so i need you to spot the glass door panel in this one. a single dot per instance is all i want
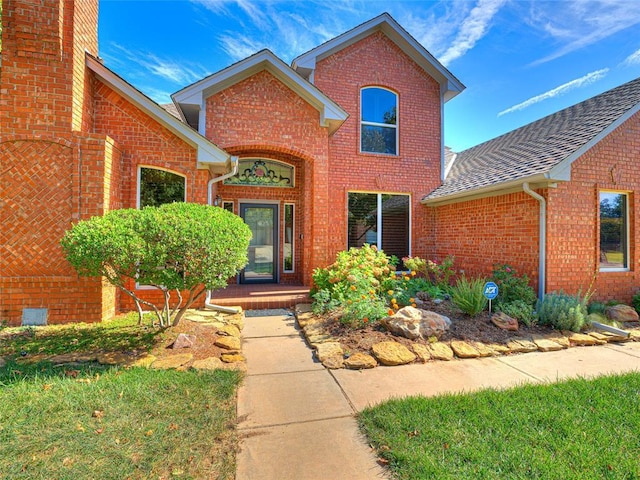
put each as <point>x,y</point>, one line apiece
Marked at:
<point>263,248</point>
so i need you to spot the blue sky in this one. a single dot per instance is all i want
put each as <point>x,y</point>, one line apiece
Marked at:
<point>520,60</point>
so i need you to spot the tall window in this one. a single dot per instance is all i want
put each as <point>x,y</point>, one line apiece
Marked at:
<point>614,232</point>
<point>378,122</point>
<point>380,219</point>
<point>289,235</point>
<point>160,186</point>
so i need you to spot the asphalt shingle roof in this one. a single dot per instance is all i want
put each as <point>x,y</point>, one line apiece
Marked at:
<point>539,146</point>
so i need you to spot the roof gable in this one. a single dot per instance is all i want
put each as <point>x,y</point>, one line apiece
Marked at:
<point>541,151</point>
<point>208,154</point>
<point>450,86</point>
<point>191,99</point>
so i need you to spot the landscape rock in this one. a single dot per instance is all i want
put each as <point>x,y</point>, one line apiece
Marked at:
<point>232,357</point>
<point>172,361</point>
<point>580,339</point>
<point>440,351</point>
<point>228,343</point>
<point>621,313</point>
<point>236,319</point>
<point>115,358</point>
<point>412,323</point>
<point>211,363</point>
<point>601,338</point>
<point>184,341</point>
<point>498,348</point>
<point>145,361</point>
<point>73,358</point>
<point>334,362</point>
<point>392,353</point>
<point>634,335</point>
<point>546,345</point>
<point>360,361</point>
<point>463,349</point>
<point>422,351</point>
<point>504,321</point>
<point>522,346</point>
<point>482,349</point>
<point>229,330</point>
<point>328,349</point>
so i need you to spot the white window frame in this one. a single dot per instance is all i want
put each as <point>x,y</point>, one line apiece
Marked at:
<point>139,176</point>
<point>293,236</point>
<point>383,125</point>
<point>627,233</point>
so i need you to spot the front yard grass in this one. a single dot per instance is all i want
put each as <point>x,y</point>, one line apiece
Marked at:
<point>574,429</point>
<point>87,421</point>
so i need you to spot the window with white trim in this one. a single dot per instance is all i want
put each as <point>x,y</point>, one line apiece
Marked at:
<point>378,121</point>
<point>157,187</point>
<point>614,231</point>
<point>380,219</point>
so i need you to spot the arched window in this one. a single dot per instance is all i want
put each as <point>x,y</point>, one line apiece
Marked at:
<point>157,186</point>
<point>378,121</point>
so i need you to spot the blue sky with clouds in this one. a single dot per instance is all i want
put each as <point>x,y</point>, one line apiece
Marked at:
<point>520,59</point>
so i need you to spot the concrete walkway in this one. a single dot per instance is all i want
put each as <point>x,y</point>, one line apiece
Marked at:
<point>296,419</point>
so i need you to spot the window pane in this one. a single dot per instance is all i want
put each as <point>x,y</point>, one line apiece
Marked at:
<point>378,139</point>
<point>362,219</point>
<point>288,237</point>
<point>395,225</point>
<point>158,187</point>
<point>613,230</point>
<point>378,106</point>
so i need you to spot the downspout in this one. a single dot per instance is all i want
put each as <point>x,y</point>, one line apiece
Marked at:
<point>542,263</point>
<point>234,170</point>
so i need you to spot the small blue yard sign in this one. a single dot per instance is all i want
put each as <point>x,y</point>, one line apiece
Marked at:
<point>490,290</point>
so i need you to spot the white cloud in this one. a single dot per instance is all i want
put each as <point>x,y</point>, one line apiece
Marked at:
<point>473,28</point>
<point>578,24</point>
<point>239,47</point>
<point>579,82</point>
<point>633,59</point>
<point>170,70</point>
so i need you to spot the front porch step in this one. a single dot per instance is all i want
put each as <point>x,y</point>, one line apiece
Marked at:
<point>261,296</point>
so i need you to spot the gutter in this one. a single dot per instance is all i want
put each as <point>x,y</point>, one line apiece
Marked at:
<point>234,170</point>
<point>542,262</point>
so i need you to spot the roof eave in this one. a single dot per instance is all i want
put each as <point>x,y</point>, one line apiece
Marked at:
<point>208,154</point>
<point>540,180</point>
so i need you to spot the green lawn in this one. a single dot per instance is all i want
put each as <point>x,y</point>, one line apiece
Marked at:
<point>577,429</point>
<point>88,421</point>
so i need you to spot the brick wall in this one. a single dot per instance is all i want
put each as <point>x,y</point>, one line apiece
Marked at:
<point>480,233</point>
<point>573,226</point>
<point>377,61</point>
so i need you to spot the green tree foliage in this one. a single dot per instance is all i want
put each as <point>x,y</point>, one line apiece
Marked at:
<point>177,246</point>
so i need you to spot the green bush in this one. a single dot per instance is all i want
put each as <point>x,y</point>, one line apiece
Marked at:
<point>177,246</point>
<point>439,274</point>
<point>563,311</point>
<point>468,296</point>
<point>512,287</point>
<point>636,302</point>
<point>596,307</point>
<point>519,310</point>
<point>356,284</point>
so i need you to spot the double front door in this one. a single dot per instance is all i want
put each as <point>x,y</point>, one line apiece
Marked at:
<point>262,219</point>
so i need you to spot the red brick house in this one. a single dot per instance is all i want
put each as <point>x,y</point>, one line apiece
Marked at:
<point>341,148</point>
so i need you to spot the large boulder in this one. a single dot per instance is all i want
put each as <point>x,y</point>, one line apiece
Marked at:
<point>621,313</point>
<point>504,321</point>
<point>412,323</point>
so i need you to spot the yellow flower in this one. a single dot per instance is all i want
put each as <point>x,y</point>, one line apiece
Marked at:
<point>390,292</point>
<point>393,300</point>
<point>413,273</point>
<point>413,305</point>
<point>353,287</point>
<point>412,300</point>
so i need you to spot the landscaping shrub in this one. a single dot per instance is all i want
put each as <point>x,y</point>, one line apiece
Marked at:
<point>177,246</point>
<point>596,307</point>
<point>439,274</point>
<point>563,311</point>
<point>468,296</point>
<point>520,310</point>
<point>636,302</point>
<point>355,283</point>
<point>511,286</point>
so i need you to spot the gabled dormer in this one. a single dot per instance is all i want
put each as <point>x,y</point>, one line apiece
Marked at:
<point>450,86</point>
<point>191,100</point>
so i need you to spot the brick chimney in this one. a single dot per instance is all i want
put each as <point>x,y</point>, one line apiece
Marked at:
<point>43,83</point>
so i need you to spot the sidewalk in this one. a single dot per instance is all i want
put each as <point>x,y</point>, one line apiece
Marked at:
<point>296,420</point>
